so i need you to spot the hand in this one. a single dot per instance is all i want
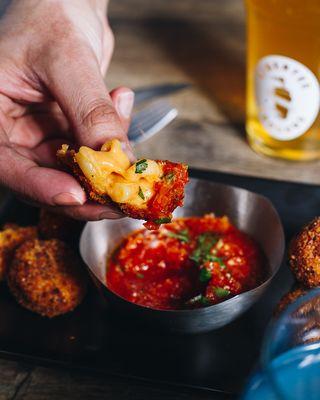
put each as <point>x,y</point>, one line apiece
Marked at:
<point>53,54</point>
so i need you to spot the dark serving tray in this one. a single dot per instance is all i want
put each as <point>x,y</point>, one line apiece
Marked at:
<point>92,338</point>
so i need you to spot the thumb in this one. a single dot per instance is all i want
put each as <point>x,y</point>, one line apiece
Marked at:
<point>80,91</point>
<point>123,99</point>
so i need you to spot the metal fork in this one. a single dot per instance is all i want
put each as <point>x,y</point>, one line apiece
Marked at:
<point>151,120</point>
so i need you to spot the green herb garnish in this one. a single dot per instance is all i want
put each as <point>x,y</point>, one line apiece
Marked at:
<point>199,299</point>
<point>205,242</point>
<point>164,220</point>
<point>140,193</point>
<point>205,275</point>
<point>221,292</point>
<point>139,275</point>
<point>216,259</point>
<point>169,176</point>
<point>141,166</point>
<point>205,301</point>
<point>183,235</point>
<point>196,256</point>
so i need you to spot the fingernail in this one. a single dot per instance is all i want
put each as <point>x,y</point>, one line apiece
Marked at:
<point>66,199</point>
<point>110,215</point>
<point>125,104</point>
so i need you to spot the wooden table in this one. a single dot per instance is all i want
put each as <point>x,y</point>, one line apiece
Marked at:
<point>158,41</point>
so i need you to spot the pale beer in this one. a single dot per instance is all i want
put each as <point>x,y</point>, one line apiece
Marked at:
<point>283,70</point>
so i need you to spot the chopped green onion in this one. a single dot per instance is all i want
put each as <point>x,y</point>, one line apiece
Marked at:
<point>169,176</point>
<point>183,235</point>
<point>199,299</point>
<point>216,259</point>
<point>195,256</point>
<point>164,220</point>
<point>141,166</point>
<point>205,275</point>
<point>139,275</point>
<point>140,193</point>
<point>202,252</point>
<point>205,301</point>
<point>221,292</point>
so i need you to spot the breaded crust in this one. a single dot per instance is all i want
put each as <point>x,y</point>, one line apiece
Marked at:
<point>169,191</point>
<point>304,254</point>
<point>11,237</point>
<point>68,160</point>
<point>46,277</point>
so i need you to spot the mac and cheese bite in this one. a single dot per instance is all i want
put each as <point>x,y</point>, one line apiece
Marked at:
<point>147,189</point>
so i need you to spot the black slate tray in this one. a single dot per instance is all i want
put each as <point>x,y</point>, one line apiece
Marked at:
<point>94,339</point>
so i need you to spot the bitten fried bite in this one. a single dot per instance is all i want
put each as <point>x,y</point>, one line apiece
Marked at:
<point>12,236</point>
<point>304,255</point>
<point>147,189</point>
<point>46,277</point>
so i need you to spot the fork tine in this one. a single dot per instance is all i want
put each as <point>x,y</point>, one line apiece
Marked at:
<point>151,120</point>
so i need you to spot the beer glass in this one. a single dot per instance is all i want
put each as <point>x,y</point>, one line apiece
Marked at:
<point>283,70</point>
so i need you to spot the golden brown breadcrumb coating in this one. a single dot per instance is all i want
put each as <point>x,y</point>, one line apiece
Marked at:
<point>12,236</point>
<point>47,277</point>
<point>304,254</point>
<point>57,226</point>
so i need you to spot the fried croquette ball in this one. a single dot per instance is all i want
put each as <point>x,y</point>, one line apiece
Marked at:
<point>11,237</point>
<point>304,255</point>
<point>58,226</point>
<point>296,292</point>
<point>46,277</point>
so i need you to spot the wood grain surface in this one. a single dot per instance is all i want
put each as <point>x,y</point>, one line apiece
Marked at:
<point>201,42</point>
<point>19,381</point>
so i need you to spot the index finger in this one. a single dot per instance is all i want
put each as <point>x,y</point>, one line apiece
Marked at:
<point>78,86</point>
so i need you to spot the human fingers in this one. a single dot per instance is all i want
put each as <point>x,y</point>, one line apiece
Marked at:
<point>123,100</point>
<point>90,212</point>
<point>42,185</point>
<point>79,89</point>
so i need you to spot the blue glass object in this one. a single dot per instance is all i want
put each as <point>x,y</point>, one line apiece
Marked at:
<point>290,359</point>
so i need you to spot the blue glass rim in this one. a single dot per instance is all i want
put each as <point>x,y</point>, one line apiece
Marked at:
<point>278,324</point>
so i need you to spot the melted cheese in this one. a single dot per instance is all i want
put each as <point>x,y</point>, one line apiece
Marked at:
<point>109,172</point>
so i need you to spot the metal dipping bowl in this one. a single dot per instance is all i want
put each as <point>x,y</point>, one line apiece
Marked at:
<point>250,212</point>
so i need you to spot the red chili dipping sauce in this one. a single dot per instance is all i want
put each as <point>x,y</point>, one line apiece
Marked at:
<point>191,262</point>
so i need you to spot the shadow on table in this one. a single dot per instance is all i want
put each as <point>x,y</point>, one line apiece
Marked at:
<point>212,56</point>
